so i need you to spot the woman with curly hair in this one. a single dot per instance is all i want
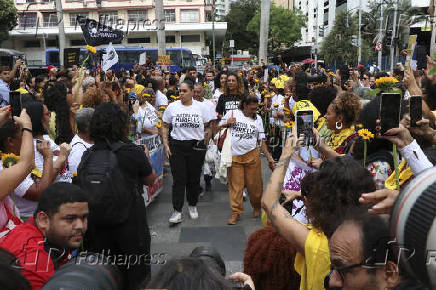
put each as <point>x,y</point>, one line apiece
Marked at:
<point>234,92</point>
<point>269,260</point>
<point>94,97</point>
<point>109,131</point>
<point>62,117</point>
<point>341,115</point>
<point>328,194</point>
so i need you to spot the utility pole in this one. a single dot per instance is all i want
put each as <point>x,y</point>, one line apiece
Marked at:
<point>359,44</point>
<point>431,10</point>
<point>394,32</point>
<point>161,27</point>
<point>316,36</point>
<point>380,38</point>
<point>60,17</point>
<point>264,28</point>
<point>213,32</point>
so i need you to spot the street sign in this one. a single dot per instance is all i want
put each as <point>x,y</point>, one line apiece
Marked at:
<point>232,43</point>
<point>163,60</point>
<point>378,46</point>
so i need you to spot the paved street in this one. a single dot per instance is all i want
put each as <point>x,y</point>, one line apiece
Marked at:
<point>210,229</point>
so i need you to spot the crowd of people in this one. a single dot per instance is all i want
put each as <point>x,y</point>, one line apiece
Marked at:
<point>73,173</point>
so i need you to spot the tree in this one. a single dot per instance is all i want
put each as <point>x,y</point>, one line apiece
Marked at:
<point>337,46</point>
<point>237,19</point>
<point>284,26</point>
<point>8,18</point>
<point>407,16</point>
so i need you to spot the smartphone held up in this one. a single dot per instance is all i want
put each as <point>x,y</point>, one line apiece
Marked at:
<point>415,110</point>
<point>389,113</point>
<point>304,123</point>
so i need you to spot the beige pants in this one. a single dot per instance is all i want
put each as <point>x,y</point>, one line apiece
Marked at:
<point>246,171</point>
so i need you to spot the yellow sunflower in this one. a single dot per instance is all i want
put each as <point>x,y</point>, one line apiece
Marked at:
<point>289,124</point>
<point>365,134</point>
<point>91,49</point>
<point>384,80</point>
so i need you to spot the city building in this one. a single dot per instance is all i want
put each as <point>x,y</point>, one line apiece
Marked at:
<point>321,16</point>
<point>187,24</point>
<point>287,4</point>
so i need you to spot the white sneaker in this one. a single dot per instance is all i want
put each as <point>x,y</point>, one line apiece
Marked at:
<point>176,217</point>
<point>193,213</point>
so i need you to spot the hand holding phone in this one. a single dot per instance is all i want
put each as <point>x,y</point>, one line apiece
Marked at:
<point>415,110</point>
<point>304,123</point>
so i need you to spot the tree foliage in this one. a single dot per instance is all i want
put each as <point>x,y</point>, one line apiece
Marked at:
<point>8,18</point>
<point>337,46</point>
<point>407,16</point>
<point>240,14</point>
<point>284,26</point>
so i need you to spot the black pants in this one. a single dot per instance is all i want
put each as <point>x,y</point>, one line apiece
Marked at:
<point>186,164</point>
<point>131,240</point>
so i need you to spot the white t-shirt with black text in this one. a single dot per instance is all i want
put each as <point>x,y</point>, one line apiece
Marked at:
<point>187,121</point>
<point>245,132</point>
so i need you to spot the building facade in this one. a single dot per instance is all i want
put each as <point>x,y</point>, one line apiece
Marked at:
<point>321,17</point>
<point>187,24</point>
<point>287,4</point>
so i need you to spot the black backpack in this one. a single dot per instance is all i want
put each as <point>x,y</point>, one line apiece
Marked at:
<point>110,195</point>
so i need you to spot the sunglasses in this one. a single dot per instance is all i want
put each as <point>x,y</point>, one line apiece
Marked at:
<point>342,271</point>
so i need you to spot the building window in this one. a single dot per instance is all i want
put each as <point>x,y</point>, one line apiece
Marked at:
<point>170,39</point>
<point>28,19</point>
<point>32,43</point>
<point>189,15</point>
<point>191,38</point>
<point>77,42</point>
<point>139,40</point>
<point>73,18</point>
<point>170,15</point>
<point>52,42</point>
<point>108,18</point>
<point>49,19</point>
<point>137,16</point>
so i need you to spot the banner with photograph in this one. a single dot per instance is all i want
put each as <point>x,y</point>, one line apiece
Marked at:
<point>157,157</point>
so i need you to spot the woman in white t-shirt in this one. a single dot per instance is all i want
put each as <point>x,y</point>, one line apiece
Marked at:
<point>246,171</point>
<point>185,148</point>
<point>220,85</point>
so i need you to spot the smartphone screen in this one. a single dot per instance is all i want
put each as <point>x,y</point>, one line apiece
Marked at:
<point>389,112</point>
<point>304,122</point>
<point>415,110</point>
<point>15,100</point>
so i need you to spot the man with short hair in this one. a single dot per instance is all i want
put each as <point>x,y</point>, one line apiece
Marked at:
<point>44,242</point>
<point>210,79</point>
<point>363,255</point>
<point>4,86</point>
<point>81,141</point>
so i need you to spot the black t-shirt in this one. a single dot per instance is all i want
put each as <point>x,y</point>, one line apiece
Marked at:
<point>171,93</point>
<point>132,161</point>
<point>227,103</point>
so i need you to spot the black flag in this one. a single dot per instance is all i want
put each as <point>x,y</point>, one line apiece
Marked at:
<point>96,33</point>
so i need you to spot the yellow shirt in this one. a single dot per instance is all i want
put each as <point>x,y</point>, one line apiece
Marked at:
<point>315,265</point>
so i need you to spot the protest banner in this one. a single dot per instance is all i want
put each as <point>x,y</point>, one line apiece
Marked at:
<point>157,157</point>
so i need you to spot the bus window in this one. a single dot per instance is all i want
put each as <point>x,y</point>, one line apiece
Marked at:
<point>174,57</point>
<point>187,59</point>
<point>53,58</point>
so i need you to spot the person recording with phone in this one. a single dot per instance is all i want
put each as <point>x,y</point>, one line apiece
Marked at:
<point>340,117</point>
<point>6,76</point>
